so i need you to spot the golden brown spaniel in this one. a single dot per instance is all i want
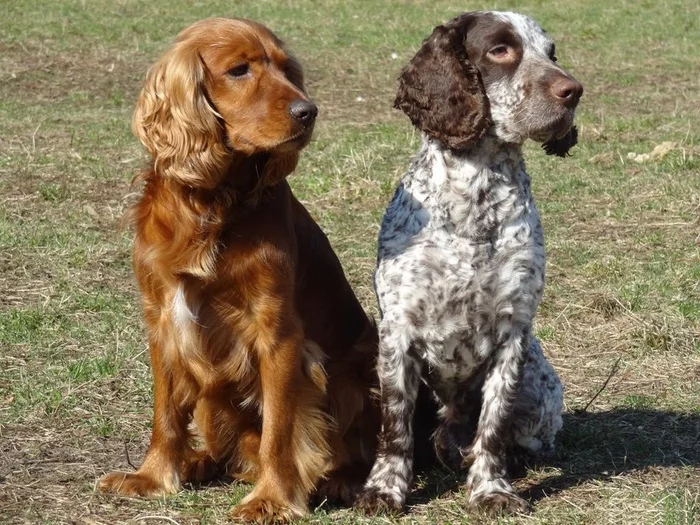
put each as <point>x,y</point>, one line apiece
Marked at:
<point>255,335</point>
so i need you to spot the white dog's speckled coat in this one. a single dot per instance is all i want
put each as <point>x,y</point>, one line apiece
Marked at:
<point>461,267</point>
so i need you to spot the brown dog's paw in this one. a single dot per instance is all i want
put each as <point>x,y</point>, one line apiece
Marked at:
<point>135,484</point>
<point>373,502</point>
<point>495,503</point>
<point>338,490</point>
<point>343,485</point>
<point>265,511</point>
<point>202,468</point>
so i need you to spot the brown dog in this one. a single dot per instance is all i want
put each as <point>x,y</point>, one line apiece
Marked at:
<point>254,331</point>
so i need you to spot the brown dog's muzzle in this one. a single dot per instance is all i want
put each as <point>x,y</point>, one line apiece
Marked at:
<point>304,112</point>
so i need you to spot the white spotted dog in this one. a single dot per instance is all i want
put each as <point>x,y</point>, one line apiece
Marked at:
<point>461,259</point>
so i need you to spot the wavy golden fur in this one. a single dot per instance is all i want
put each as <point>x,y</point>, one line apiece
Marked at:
<point>254,333</point>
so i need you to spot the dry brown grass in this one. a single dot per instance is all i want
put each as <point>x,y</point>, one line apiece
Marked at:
<point>623,244</point>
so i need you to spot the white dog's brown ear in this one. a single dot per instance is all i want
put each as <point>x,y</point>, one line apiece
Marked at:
<point>176,123</point>
<point>442,92</point>
<point>560,147</point>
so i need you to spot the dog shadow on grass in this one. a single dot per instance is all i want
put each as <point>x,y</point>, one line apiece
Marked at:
<point>600,445</point>
<point>591,446</point>
<point>596,446</point>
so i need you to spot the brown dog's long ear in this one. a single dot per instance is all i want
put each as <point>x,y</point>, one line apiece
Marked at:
<point>442,92</point>
<point>176,123</point>
<point>560,147</point>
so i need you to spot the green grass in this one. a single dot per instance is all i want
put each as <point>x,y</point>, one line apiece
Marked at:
<point>623,245</point>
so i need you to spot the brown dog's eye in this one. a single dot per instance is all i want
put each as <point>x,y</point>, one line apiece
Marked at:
<point>552,54</point>
<point>499,51</point>
<point>238,71</point>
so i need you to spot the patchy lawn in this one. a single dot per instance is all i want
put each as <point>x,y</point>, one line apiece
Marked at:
<point>623,244</point>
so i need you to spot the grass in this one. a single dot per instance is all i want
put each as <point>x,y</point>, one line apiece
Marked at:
<point>623,245</point>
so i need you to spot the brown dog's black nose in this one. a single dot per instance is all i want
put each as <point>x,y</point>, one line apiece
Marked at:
<point>304,111</point>
<point>567,91</point>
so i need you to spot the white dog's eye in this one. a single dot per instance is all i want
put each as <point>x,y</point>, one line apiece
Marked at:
<point>500,51</point>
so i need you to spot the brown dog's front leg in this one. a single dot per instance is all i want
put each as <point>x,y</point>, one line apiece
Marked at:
<point>293,449</point>
<point>162,467</point>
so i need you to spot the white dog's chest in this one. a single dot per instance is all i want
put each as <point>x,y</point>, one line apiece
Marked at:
<point>453,294</point>
<point>461,260</point>
<point>460,301</point>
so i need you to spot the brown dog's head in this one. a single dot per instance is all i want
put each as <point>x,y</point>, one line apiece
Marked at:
<point>490,71</point>
<point>226,87</point>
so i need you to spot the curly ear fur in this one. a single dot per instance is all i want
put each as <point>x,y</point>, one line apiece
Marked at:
<point>176,123</point>
<point>442,92</point>
<point>560,147</point>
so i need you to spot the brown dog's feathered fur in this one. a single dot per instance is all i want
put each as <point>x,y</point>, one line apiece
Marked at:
<point>254,332</point>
